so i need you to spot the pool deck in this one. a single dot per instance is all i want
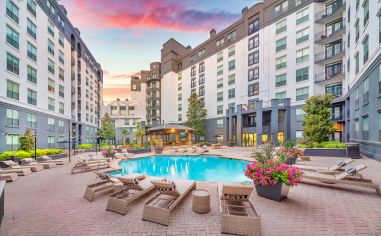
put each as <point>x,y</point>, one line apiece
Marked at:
<point>51,202</point>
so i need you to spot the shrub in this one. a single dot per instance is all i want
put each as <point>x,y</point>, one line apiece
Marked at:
<point>27,141</point>
<point>330,144</point>
<point>21,154</point>
<point>6,155</point>
<point>85,146</point>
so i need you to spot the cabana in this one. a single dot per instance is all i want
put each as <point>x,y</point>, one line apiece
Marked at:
<point>167,133</point>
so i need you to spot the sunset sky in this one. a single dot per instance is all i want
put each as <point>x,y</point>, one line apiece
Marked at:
<point>126,35</point>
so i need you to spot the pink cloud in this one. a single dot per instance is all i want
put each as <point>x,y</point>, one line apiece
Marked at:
<point>132,14</point>
<point>117,85</point>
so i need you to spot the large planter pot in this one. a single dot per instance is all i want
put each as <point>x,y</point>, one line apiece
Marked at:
<point>158,150</point>
<point>291,160</point>
<point>276,192</point>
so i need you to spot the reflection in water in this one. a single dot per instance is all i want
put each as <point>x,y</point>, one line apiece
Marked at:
<point>202,168</point>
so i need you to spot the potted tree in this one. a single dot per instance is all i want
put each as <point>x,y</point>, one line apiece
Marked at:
<point>109,152</point>
<point>271,175</point>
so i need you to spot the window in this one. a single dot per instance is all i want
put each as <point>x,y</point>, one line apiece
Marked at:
<point>193,58</point>
<point>365,45</point>
<point>254,42</point>
<point>231,65</point>
<point>61,107</point>
<point>366,91</point>
<point>365,128</point>
<point>379,126</point>
<point>12,11</point>
<point>220,123</point>
<point>61,40</point>
<point>232,36</point>
<point>201,91</point>
<point>301,94</point>
<point>61,73</point>
<point>357,98</point>
<point>201,79</point>
<point>50,47</point>
<point>281,96</point>
<point>12,64</point>
<point>231,51</point>
<point>220,70</point>
<point>281,26</point>
<point>50,66</point>
<point>201,67</point>
<point>379,79</point>
<point>366,11</point>
<point>193,82</point>
<point>13,118</point>
<point>220,96</point>
<point>32,74</point>
<point>202,101</point>
<point>302,16</point>
<point>357,128</point>
<point>61,125</point>
<point>51,104</point>
<point>220,43</point>
<point>31,29</point>
<point>193,71</point>
<point>12,90</point>
<point>220,109</point>
<point>253,73</point>
<point>61,22</point>
<point>253,89</point>
<point>179,118</point>
<point>357,61</point>
<point>333,70</point>
<point>280,62</point>
<point>51,8</point>
<point>179,97</point>
<point>357,30</point>
<point>201,52</point>
<point>253,58</point>
<point>32,97</point>
<point>32,51</point>
<point>300,114</point>
<point>281,8</point>
<point>231,93</point>
<point>50,141</point>
<point>220,83</point>
<point>31,120</point>
<point>61,91</point>
<point>231,79</point>
<point>61,57</point>
<point>11,142</point>
<point>51,28</point>
<point>298,2</point>
<point>220,56</point>
<point>179,87</point>
<point>280,80</point>
<point>51,85</point>
<point>335,89</point>
<point>302,55</point>
<point>12,37</point>
<point>281,44</point>
<point>302,35</point>
<point>231,106</point>
<point>31,6</point>
<point>253,26</point>
<point>302,74</point>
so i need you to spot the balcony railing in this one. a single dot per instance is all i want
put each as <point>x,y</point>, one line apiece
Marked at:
<point>322,56</point>
<point>340,5</point>
<point>324,76</point>
<point>323,36</point>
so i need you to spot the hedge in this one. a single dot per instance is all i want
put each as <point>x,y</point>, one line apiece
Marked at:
<point>20,154</point>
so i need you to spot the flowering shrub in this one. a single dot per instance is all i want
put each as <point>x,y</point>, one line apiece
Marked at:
<point>109,152</point>
<point>292,152</point>
<point>272,172</point>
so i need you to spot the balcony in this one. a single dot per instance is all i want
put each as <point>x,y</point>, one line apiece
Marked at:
<point>330,56</point>
<point>324,76</point>
<point>322,37</point>
<point>328,14</point>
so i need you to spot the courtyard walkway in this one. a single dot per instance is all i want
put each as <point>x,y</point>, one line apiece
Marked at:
<point>51,202</point>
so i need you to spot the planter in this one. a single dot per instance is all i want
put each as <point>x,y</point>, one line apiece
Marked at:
<point>158,150</point>
<point>276,192</point>
<point>325,152</point>
<point>139,151</point>
<point>58,156</point>
<point>291,160</point>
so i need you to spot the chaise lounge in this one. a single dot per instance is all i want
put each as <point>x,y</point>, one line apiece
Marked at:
<point>20,172</point>
<point>171,193</point>
<point>48,159</point>
<point>10,177</point>
<point>33,162</point>
<point>14,165</point>
<point>339,166</point>
<point>84,165</point>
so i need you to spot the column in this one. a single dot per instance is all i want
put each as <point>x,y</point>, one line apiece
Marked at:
<point>239,125</point>
<point>274,121</point>
<point>258,121</point>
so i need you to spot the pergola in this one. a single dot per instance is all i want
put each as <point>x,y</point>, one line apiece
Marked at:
<point>163,134</point>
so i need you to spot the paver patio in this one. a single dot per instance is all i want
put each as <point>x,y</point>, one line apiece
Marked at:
<point>51,202</point>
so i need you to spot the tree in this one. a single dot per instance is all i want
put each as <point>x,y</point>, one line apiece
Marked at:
<point>125,133</point>
<point>139,133</point>
<point>196,115</point>
<point>317,120</point>
<point>27,141</point>
<point>107,130</point>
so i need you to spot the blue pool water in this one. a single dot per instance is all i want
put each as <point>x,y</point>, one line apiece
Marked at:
<point>200,168</point>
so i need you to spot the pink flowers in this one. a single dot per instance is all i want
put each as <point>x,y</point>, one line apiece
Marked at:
<point>292,152</point>
<point>272,172</point>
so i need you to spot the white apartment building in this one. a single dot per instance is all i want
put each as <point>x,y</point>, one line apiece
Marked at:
<point>47,71</point>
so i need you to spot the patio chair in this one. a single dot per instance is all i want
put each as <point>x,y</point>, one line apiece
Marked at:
<point>184,150</point>
<point>33,162</point>
<point>175,150</point>
<point>84,165</point>
<point>339,166</point>
<point>48,159</point>
<point>134,189</point>
<point>14,165</point>
<point>350,176</point>
<point>20,172</point>
<point>10,177</point>
<point>204,149</point>
<point>94,158</point>
<point>194,149</point>
<point>159,207</point>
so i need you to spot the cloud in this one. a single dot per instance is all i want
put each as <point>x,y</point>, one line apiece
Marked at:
<point>146,14</point>
<point>117,85</point>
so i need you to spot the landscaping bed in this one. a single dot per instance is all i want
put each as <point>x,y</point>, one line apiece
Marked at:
<point>325,152</point>
<point>139,150</point>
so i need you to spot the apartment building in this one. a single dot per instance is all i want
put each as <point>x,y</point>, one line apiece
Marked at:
<point>255,75</point>
<point>52,83</point>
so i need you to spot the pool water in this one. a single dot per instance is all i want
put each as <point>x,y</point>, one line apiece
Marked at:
<point>200,168</point>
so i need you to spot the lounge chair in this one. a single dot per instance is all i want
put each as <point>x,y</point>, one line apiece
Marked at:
<point>123,154</point>
<point>13,165</point>
<point>119,201</point>
<point>350,176</point>
<point>48,159</point>
<point>203,149</point>
<point>175,150</point>
<point>84,165</point>
<point>10,177</point>
<point>20,172</point>
<point>93,158</point>
<point>339,166</point>
<point>159,207</point>
<point>184,150</point>
<point>238,215</point>
<point>33,162</point>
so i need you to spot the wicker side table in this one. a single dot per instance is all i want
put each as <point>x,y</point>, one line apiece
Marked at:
<point>201,201</point>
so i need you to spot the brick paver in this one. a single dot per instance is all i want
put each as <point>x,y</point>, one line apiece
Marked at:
<point>51,202</point>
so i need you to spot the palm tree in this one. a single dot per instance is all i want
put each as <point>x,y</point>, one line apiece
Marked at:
<point>125,133</point>
<point>139,133</point>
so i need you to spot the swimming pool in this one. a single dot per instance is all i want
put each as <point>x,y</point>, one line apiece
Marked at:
<point>200,168</point>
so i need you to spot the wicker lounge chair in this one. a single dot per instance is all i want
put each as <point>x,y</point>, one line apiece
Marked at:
<point>33,162</point>
<point>48,159</point>
<point>20,172</point>
<point>92,159</point>
<point>13,165</point>
<point>334,169</point>
<point>238,215</point>
<point>10,177</point>
<point>350,176</point>
<point>119,201</point>
<point>83,166</point>
<point>159,208</point>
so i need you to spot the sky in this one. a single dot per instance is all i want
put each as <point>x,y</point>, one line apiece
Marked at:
<point>125,36</point>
